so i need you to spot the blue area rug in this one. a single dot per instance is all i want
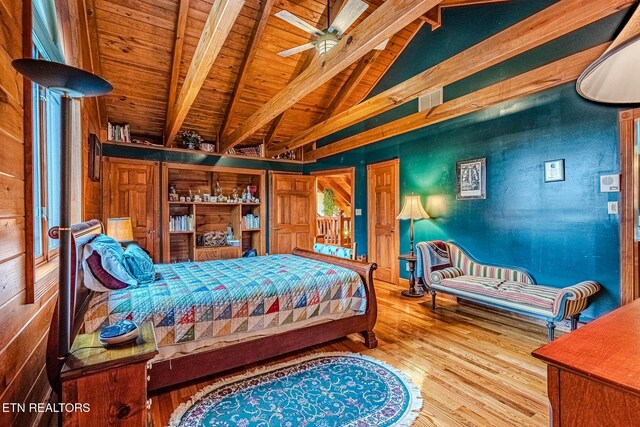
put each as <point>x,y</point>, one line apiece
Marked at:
<point>327,389</point>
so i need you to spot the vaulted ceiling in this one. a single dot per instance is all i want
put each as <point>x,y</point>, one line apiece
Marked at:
<point>138,39</point>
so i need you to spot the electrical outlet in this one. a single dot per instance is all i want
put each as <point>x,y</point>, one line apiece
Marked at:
<point>358,212</point>
<point>612,208</point>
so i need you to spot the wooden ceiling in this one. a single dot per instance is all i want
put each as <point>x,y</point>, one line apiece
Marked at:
<point>137,40</point>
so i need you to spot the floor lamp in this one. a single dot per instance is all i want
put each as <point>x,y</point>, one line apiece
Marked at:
<point>412,210</point>
<point>71,83</point>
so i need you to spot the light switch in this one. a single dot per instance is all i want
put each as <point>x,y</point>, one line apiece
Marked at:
<point>612,208</point>
<point>358,212</point>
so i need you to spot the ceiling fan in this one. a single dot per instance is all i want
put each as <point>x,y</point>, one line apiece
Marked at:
<point>329,37</point>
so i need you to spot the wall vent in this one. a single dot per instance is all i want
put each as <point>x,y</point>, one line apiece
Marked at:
<point>430,100</point>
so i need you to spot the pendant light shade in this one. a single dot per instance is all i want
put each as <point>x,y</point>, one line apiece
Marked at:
<point>614,78</point>
<point>73,82</point>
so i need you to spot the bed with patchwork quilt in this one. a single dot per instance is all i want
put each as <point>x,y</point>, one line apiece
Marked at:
<point>199,305</point>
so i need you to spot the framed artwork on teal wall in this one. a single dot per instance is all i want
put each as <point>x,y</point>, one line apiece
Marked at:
<point>554,170</point>
<point>471,179</point>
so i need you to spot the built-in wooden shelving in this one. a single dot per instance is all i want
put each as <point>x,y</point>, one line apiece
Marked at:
<point>211,216</point>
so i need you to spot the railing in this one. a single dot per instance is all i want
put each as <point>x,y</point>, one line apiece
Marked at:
<point>334,230</point>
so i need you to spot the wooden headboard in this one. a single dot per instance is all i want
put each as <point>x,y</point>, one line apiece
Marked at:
<point>81,234</point>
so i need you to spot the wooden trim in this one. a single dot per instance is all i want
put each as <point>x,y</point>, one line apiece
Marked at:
<point>221,18</point>
<point>545,77</point>
<point>27,94</point>
<point>551,23</point>
<point>89,14</point>
<point>629,205</point>
<point>386,20</point>
<point>200,153</point>
<point>174,77</point>
<point>395,266</point>
<point>243,75</point>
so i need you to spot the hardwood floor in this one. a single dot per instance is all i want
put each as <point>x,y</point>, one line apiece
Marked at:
<point>472,364</point>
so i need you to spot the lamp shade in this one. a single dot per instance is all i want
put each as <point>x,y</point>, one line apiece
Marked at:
<point>412,208</point>
<point>73,82</point>
<point>614,77</point>
<point>120,229</point>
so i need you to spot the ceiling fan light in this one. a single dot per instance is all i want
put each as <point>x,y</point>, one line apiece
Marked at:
<point>326,42</point>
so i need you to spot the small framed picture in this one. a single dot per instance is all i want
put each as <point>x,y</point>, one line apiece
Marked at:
<point>554,170</point>
<point>95,157</point>
<point>471,179</point>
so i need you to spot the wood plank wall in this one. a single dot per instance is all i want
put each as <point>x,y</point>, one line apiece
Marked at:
<point>25,325</point>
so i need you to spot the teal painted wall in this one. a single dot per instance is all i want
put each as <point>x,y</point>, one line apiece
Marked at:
<point>561,231</point>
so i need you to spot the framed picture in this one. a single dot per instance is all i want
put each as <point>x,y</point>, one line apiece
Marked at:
<point>95,157</point>
<point>554,170</point>
<point>471,179</point>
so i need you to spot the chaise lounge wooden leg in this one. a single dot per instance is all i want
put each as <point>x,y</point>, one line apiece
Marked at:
<point>433,299</point>
<point>574,321</point>
<point>370,340</point>
<point>551,328</point>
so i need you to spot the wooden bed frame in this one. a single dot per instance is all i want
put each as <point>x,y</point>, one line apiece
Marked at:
<point>207,362</point>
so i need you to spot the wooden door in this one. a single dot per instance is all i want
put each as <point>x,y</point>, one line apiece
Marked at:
<point>382,208</point>
<point>131,190</point>
<point>292,212</point>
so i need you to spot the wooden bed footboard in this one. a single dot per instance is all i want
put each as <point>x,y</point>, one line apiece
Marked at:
<point>169,372</point>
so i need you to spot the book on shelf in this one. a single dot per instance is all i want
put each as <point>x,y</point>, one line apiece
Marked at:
<point>250,221</point>
<point>181,223</point>
<point>119,132</point>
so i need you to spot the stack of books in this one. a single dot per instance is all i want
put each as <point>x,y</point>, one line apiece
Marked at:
<point>250,221</point>
<point>181,223</point>
<point>119,132</point>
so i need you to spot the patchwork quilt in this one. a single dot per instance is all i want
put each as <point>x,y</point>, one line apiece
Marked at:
<point>200,300</point>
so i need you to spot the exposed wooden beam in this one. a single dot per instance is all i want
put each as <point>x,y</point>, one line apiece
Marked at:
<point>385,21</point>
<point>545,77</point>
<point>354,79</point>
<point>555,21</point>
<point>459,3</point>
<point>243,75</point>
<point>181,27</point>
<point>221,18</point>
<point>303,64</point>
<point>433,18</point>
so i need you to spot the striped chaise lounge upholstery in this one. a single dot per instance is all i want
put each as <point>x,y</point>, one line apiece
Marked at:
<point>445,267</point>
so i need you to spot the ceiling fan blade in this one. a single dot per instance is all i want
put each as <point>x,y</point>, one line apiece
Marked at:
<point>382,46</point>
<point>298,22</point>
<point>297,49</point>
<point>348,15</point>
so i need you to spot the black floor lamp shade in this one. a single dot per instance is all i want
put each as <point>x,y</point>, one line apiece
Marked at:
<point>73,82</point>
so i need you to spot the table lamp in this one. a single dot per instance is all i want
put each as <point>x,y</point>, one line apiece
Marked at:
<point>120,229</point>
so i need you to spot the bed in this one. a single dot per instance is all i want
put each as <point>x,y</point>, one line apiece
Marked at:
<point>217,315</point>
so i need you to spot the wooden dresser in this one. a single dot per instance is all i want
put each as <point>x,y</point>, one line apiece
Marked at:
<point>594,372</point>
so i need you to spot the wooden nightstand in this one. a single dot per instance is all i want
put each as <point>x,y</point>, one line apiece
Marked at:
<point>113,382</point>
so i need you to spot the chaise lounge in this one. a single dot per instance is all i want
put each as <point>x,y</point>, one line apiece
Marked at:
<point>447,268</point>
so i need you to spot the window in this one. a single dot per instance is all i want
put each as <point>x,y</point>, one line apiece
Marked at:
<point>46,143</point>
